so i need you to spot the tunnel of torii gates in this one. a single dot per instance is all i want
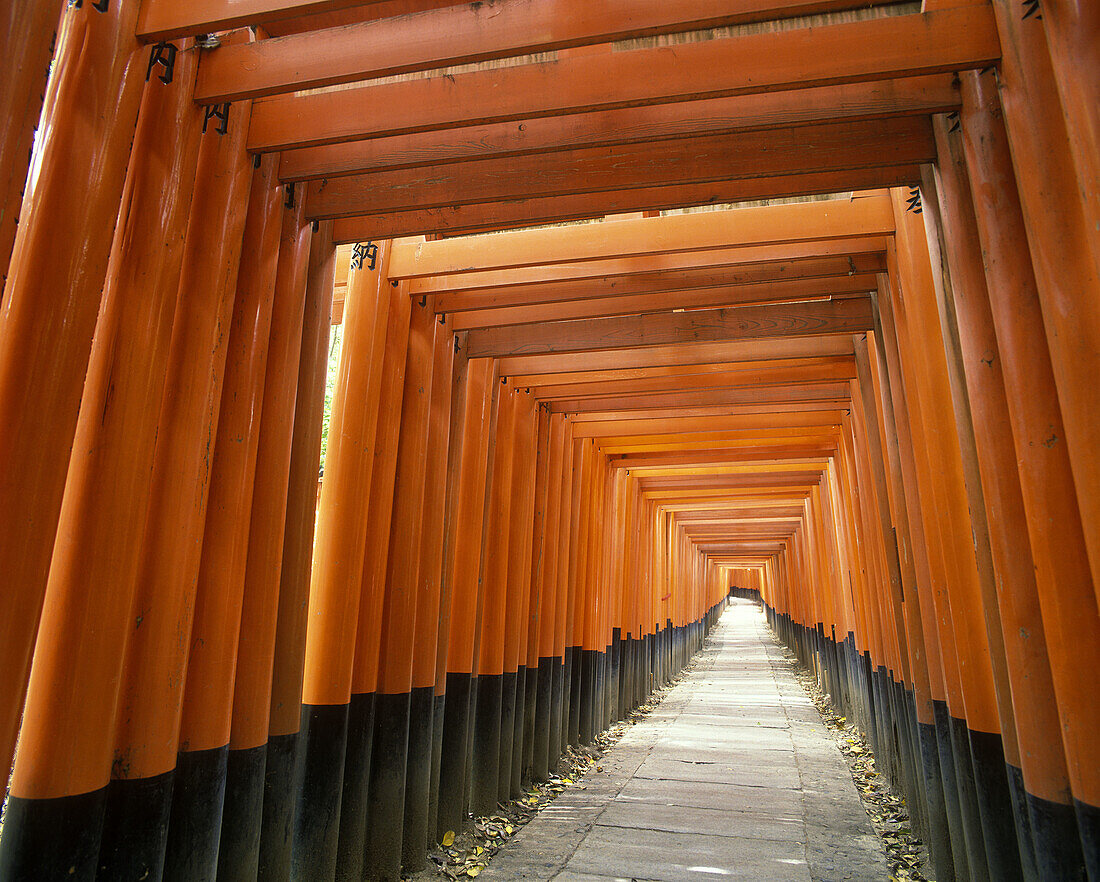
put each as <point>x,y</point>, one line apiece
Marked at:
<point>554,448</point>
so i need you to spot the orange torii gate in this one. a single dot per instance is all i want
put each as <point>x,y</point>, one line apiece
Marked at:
<point>552,452</point>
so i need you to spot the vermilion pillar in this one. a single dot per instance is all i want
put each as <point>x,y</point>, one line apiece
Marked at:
<point>49,307</point>
<point>354,811</point>
<point>151,693</point>
<point>1066,592</point>
<point>338,550</point>
<point>27,35</point>
<point>426,705</point>
<point>281,785</point>
<point>462,568</point>
<point>198,793</point>
<point>485,768</point>
<point>66,744</point>
<point>239,850</point>
<point>399,634</point>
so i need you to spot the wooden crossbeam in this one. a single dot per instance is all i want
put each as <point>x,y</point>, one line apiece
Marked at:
<point>586,418</point>
<point>726,482</point>
<point>790,272</point>
<point>171,19</point>
<point>869,215</point>
<point>816,419</point>
<point>881,48</point>
<point>746,467</point>
<point>791,451</point>
<point>780,320</point>
<point>739,113</point>
<point>774,153</point>
<point>691,441</point>
<point>858,254</point>
<point>663,301</point>
<point>760,349</point>
<point>706,397</point>
<point>659,379</point>
<point>493,216</point>
<point>465,34</point>
<point>338,18</point>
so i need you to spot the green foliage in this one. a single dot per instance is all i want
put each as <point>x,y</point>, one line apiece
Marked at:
<point>335,344</point>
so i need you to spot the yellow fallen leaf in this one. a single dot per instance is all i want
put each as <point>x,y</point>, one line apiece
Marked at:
<point>473,871</point>
<point>448,838</point>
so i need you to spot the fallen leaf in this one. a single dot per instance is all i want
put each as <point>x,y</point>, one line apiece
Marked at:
<point>448,838</point>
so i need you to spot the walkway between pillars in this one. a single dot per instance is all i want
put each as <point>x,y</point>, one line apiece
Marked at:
<point>733,776</point>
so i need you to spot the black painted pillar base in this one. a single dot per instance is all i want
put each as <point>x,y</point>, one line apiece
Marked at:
<point>324,733</point>
<point>558,715</point>
<point>530,709</point>
<point>1088,825</point>
<point>386,793</point>
<point>195,825</point>
<point>951,801</point>
<point>515,767</point>
<point>135,828</point>
<point>239,849</point>
<point>999,824</point>
<point>52,838</point>
<point>485,754</point>
<point>418,779</point>
<point>574,664</point>
<point>455,750</point>
<point>282,784</point>
<point>506,735</point>
<point>543,731</point>
<point>439,708</point>
<point>352,842</point>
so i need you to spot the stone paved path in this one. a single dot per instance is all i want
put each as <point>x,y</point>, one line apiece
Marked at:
<point>733,776</point>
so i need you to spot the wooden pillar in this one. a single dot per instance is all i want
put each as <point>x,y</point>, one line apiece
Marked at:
<point>338,549</point>
<point>362,723</point>
<point>1072,29</point>
<point>460,370</point>
<point>923,640</point>
<point>50,302</point>
<point>937,626</point>
<point>518,597</point>
<point>239,848</point>
<point>399,634</point>
<point>426,705</point>
<point>194,827</point>
<point>485,771</point>
<point>281,784</point>
<point>462,571</point>
<point>66,746</point>
<point>1036,722</point>
<point>1063,238</point>
<point>1066,593</point>
<point>560,681</point>
<point>546,565</point>
<point>28,32</point>
<point>151,692</point>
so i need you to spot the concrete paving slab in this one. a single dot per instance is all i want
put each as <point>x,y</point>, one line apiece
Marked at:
<point>732,776</point>
<point>687,857</point>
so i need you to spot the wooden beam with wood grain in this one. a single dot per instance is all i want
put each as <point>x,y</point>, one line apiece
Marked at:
<point>850,102</point>
<point>963,38</point>
<point>691,162</point>
<point>513,214</point>
<point>627,332</point>
<point>795,290</point>
<point>858,217</point>
<point>465,34</point>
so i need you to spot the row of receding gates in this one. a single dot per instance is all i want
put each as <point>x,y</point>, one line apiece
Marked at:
<point>552,452</point>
